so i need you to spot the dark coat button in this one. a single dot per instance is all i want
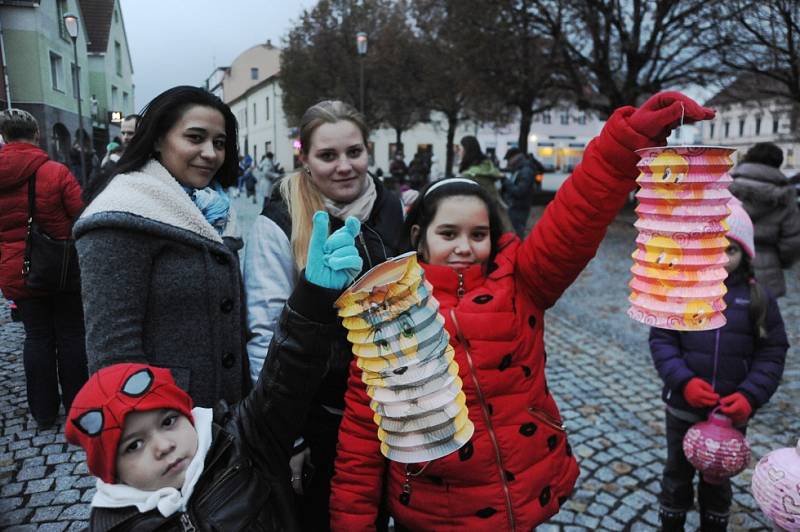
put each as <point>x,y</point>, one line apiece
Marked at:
<point>228,360</point>
<point>528,429</point>
<point>221,258</point>
<point>505,363</point>
<point>544,496</point>
<point>226,305</point>
<point>465,453</point>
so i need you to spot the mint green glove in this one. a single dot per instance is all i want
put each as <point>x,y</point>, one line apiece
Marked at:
<point>333,261</point>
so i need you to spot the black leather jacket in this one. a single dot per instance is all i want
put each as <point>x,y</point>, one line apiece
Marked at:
<point>376,243</point>
<point>245,484</point>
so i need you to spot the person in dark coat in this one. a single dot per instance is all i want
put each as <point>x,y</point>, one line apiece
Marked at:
<point>164,465</point>
<point>333,178</point>
<point>771,201</point>
<point>54,352</point>
<point>158,247</point>
<point>519,189</point>
<point>737,368</point>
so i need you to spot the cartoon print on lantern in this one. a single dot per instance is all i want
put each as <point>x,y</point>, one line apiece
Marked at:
<point>402,349</point>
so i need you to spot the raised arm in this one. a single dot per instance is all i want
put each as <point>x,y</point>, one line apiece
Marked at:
<point>567,236</point>
<point>272,415</point>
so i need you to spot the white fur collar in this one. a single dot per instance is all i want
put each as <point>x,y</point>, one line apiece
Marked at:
<point>153,193</point>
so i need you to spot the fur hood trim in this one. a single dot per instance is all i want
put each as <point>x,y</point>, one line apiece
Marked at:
<point>154,194</point>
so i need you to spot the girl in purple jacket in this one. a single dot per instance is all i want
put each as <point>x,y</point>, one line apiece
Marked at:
<point>737,368</point>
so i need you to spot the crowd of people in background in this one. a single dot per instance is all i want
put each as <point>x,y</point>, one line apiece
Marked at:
<point>206,368</point>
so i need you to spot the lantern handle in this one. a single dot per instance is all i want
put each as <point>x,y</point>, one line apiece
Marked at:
<point>683,112</point>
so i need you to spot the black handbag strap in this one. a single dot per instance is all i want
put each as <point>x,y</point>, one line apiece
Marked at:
<point>31,197</point>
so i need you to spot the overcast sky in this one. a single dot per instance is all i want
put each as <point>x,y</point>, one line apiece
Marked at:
<point>176,42</point>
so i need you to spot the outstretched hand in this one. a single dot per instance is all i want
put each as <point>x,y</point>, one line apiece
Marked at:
<point>662,112</point>
<point>333,261</point>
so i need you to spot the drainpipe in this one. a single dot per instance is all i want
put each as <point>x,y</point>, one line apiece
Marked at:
<point>5,67</point>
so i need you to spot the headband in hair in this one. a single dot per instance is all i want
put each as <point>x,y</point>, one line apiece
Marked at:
<point>443,182</point>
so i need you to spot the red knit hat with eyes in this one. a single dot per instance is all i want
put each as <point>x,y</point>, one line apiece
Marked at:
<point>97,417</point>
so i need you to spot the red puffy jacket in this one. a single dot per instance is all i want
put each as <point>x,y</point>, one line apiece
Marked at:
<point>518,468</point>
<point>58,204</point>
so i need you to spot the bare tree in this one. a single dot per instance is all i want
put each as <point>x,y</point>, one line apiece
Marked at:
<point>619,52</point>
<point>759,44</point>
<point>448,84</point>
<point>508,54</point>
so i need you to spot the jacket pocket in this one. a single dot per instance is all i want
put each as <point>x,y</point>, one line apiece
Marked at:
<point>542,416</point>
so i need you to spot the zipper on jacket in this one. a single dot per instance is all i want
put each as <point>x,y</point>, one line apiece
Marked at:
<point>547,419</point>
<point>364,245</point>
<point>460,290</point>
<point>186,523</point>
<point>485,411</point>
<point>230,472</point>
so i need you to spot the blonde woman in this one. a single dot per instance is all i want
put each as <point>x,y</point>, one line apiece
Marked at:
<point>333,177</point>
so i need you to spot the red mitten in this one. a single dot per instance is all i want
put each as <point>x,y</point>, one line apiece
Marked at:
<point>737,407</point>
<point>660,114</point>
<point>699,394</point>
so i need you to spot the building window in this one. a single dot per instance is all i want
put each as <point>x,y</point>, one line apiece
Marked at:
<point>118,57</point>
<point>711,131</point>
<point>774,126</point>
<point>564,118</point>
<point>727,126</point>
<point>741,127</point>
<point>75,79</point>
<point>267,108</point>
<point>267,147</point>
<point>255,117</point>
<point>254,73</point>
<point>758,125</point>
<point>57,71</point>
<point>114,98</point>
<point>582,119</point>
<point>61,6</point>
<point>116,16</point>
<point>546,117</point>
<point>125,109</point>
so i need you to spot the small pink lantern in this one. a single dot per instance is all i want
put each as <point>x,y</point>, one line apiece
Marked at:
<point>716,449</point>
<point>776,487</point>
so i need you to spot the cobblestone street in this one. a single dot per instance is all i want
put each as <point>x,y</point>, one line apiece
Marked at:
<point>598,367</point>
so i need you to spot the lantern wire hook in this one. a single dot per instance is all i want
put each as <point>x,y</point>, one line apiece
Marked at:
<point>683,112</point>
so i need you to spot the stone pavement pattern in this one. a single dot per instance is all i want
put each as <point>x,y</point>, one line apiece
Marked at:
<point>598,367</point>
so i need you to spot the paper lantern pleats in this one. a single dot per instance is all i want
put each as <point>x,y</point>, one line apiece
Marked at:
<point>679,262</point>
<point>776,487</point>
<point>407,363</point>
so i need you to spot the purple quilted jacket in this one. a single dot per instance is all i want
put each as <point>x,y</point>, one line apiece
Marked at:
<point>733,359</point>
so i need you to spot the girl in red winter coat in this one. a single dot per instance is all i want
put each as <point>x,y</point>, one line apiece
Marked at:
<point>493,289</point>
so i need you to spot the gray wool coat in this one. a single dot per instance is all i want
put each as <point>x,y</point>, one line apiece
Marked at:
<point>161,286</point>
<point>771,202</point>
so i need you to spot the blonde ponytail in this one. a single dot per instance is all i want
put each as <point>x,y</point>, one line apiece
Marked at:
<point>302,200</point>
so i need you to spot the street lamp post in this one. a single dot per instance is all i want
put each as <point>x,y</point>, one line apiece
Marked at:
<point>361,47</point>
<point>71,23</point>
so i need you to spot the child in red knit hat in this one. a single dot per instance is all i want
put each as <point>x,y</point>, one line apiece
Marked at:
<point>161,464</point>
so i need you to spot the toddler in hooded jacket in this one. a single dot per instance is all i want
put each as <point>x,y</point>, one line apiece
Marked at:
<point>736,368</point>
<point>162,464</point>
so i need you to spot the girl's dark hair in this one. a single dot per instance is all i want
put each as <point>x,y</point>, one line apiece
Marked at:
<point>157,119</point>
<point>472,153</point>
<point>423,211</point>
<point>758,298</point>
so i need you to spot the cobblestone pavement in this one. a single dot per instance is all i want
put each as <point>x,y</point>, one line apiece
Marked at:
<point>598,366</point>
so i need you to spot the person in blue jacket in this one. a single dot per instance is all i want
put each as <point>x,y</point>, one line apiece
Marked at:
<point>737,367</point>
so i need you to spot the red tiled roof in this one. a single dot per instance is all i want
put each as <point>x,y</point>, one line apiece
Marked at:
<point>97,17</point>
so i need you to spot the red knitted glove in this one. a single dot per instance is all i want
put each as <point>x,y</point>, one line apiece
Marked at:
<point>737,407</point>
<point>698,393</point>
<point>660,114</point>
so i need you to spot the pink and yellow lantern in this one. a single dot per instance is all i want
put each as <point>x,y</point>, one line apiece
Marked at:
<point>679,261</point>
